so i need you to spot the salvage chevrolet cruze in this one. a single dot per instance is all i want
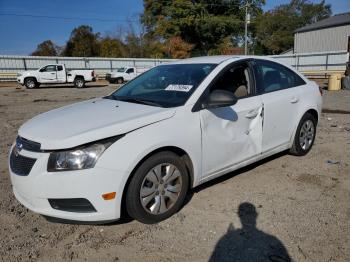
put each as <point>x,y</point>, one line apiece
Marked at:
<point>170,129</point>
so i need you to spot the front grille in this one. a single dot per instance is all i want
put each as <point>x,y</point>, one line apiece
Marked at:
<point>21,165</point>
<point>78,205</point>
<point>27,144</point>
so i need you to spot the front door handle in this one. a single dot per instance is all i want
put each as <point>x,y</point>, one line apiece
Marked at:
<point>294,100</point>
<point>252,114</point>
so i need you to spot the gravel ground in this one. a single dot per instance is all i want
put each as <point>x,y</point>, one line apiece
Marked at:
<point>289,207</point>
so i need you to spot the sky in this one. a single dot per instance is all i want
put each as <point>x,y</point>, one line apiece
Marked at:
<point>21,34</point>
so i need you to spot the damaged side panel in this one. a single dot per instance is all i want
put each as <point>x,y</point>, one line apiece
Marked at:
<point>231,134</point>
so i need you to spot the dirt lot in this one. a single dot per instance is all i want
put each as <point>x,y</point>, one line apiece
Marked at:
<point>301,206</point>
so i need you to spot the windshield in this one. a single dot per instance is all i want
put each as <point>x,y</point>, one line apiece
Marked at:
<point>121,70</point>
<point>165,85</point>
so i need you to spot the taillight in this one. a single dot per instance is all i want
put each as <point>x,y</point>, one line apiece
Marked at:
<point>321,90</point>
<point>92,73</point>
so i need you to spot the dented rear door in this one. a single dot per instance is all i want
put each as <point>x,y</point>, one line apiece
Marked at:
<point>231,135</point>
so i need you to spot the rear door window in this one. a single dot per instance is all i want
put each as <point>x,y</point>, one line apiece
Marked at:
<point>272,77</point>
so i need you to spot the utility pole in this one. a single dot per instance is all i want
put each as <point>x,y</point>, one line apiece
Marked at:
<point>247,21</point>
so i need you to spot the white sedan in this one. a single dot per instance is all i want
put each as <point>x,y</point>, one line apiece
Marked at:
<point>170,129</point>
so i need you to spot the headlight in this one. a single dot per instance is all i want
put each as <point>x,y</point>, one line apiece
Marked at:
<point>19,74</point>
<point>82,157</point>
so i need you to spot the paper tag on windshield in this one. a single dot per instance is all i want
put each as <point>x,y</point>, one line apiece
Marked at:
<point>180,88</point>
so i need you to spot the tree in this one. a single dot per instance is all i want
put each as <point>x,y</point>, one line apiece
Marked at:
<point>82,42</point>
<point>178,48</point>
<point>275,29</point>
<point>203,23</point>
<point>46,48</point>
<point>227,47</point>
<point>111,47</point>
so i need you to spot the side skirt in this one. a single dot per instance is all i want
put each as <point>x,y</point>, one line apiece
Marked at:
<point>245,163</point>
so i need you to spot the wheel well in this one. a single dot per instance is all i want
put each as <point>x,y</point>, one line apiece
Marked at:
<point>314,113</point>
<point>32,77</point>
<point>180,152</point>
<point>77,77</point>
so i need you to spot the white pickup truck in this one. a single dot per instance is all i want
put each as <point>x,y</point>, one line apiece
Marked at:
<point>55,74</point>
<point>124,74</point>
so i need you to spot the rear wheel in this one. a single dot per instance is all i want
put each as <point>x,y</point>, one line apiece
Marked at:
<point>30,83</point>
<point>158,188</point>
<point>304,136</point>
<point>79,82</point>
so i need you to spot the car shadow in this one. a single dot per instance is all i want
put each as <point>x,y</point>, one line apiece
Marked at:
<point>225,113</point>
<point>249,243</point>
<point>125,219</point>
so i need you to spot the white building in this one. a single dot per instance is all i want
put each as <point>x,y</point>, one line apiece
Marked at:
<point>330,34</point>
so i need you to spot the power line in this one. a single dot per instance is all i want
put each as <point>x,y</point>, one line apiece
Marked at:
<point>229,3</point>
<point>69,18</point>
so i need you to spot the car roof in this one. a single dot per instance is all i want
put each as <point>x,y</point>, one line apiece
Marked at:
<point>221,58</point>
<point>218,59</point>
<point>204,60</point>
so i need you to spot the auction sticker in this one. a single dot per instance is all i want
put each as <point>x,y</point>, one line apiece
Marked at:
<point>180,88</point>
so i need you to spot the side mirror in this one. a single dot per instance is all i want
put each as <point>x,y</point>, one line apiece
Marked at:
<point>220,98</point>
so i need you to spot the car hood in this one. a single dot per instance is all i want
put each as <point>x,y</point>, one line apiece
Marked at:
<point>88,121</point>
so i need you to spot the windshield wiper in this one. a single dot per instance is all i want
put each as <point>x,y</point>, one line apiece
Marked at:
<point>134,100</point>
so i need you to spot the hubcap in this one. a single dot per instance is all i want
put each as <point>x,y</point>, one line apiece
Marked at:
<point>30,83</point>
<point>161,188</point>
<point>306,136</point>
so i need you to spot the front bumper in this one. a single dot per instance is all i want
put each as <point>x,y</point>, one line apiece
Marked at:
<point>35,189</point>
<point>20,80</point>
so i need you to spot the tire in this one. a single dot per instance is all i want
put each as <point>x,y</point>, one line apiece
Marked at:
<point>304,136</point>
<point>79,82</point>
<point>146,199</point>
<point>120,81</point>
<point>31,83</point>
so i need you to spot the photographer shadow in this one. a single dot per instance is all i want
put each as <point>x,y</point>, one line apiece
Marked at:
<point>249,243</point>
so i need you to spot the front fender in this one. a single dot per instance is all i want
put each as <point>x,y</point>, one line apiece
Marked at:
<point>125,154</point>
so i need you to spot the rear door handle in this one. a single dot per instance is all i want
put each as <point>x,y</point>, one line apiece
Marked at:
<point>294,100</point>
<point>252,114</point>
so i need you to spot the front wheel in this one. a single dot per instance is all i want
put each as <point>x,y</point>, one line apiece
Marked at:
<point>30,83</point>
<point>304,136</point>
<point>120,81</point>
<point>158,188</point>
<point>79,82</point>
